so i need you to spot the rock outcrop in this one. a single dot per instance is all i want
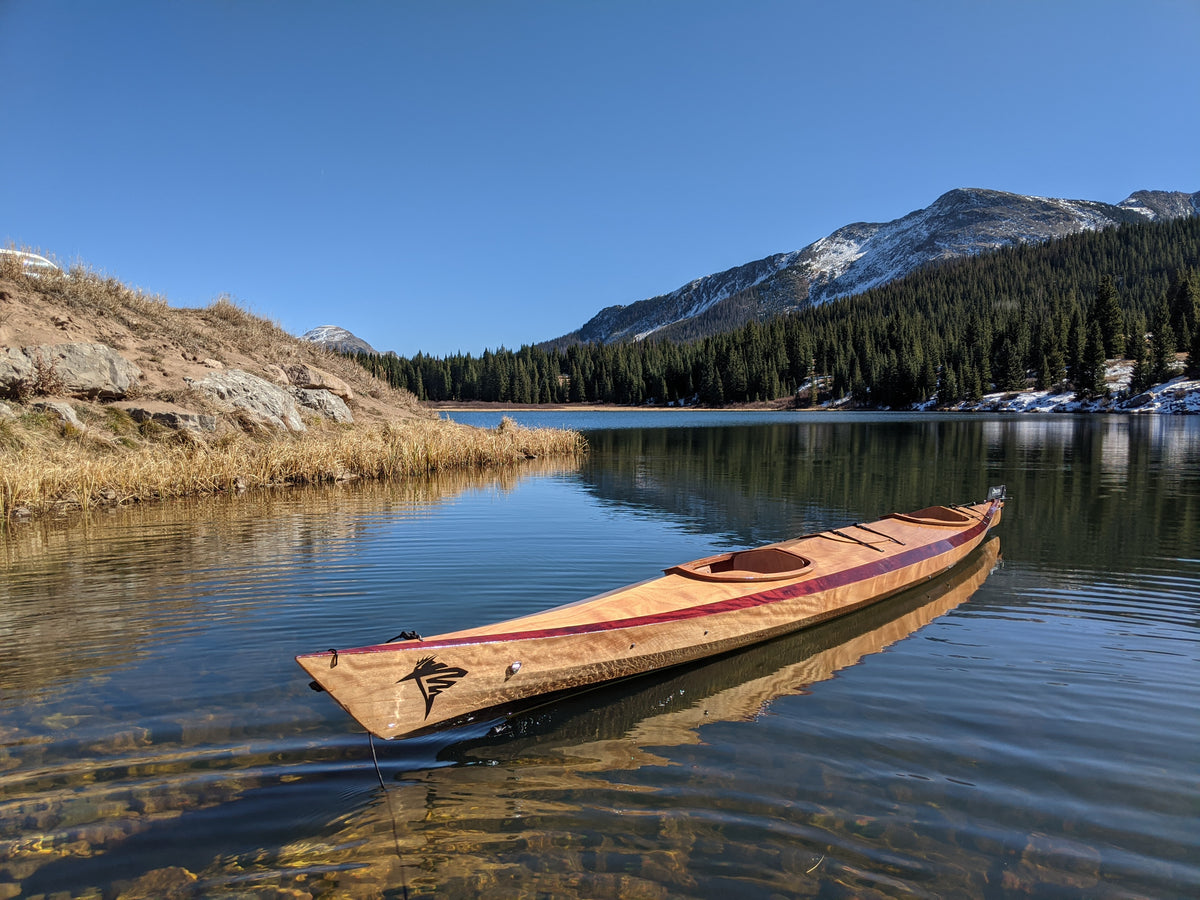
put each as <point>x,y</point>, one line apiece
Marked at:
<point>60,410</point>
<point>276,374</point>
<point>91,371</point>
<point>16,369</point>
<point>328,404</point>
<point>85,370</point>
<point>96,372</point>
<point>168,415</point>
<point>268,403</point>
<point>314,379</point>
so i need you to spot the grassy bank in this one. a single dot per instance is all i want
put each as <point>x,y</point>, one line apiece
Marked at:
<point>105,457</point>
<point>170,344</point>
<point>40,474</point>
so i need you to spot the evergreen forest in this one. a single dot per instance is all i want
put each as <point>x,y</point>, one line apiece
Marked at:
<point>1047,315</point>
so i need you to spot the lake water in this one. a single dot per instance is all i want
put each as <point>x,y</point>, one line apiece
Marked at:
<point>1027,726</point>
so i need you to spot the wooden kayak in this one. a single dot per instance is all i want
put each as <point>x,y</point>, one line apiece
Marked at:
<point>606,731</point>
<point>695,610</point>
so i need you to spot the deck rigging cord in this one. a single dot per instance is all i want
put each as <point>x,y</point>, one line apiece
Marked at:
<point>880,533</point>
<point>387,796</point>
<point>851,537</point>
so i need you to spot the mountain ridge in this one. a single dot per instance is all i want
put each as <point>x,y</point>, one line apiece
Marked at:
<point>334,337</point>
<point>863,255</point>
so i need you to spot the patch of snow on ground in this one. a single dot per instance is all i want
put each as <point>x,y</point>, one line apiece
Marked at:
<point>1178,396</point>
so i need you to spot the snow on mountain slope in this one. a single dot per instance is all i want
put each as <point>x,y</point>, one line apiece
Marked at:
<point>864,255</point>
<point>1163,204</point>
<point>334,338</point>
<point>959,223</point>
<point>640,319</point>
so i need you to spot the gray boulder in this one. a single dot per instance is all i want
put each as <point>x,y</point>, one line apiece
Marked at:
<point>90,371</point>
<point>328,404</point>
<point>16,368</point>
<point>168,415</point>
<point>266,402</point>
<point>87,371</point>
<point>276,374</point>
<point>60,410</point>
<point>314,379</point>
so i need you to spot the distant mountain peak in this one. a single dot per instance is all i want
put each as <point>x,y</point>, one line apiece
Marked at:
<point>1163,204</point>
<point>864,255</point>
<point>333,337</point>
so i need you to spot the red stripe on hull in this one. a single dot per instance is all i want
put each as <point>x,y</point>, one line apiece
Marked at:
<point>809,586</point>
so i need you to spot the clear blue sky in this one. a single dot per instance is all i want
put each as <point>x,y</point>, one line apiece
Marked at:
<point>445,176</point>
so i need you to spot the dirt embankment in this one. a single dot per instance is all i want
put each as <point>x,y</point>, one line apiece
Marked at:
<point>172,345</point>
<point>110,395</point>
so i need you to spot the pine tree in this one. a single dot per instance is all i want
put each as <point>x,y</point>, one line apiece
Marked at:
<point>1056,370</point>
<point>737,377</point>
<point>1107,312</point>
<point>1183,298</point>
<point>1010,371</point>
<point>972,384</point>
<point>1140,379</point>
<point>576,393</point>
<point>1162,345</point>
<point>1052,363</point>
<point>927,379</point>
<point>1043,381</point>
<point>1091,382</point>
<point>948,390</point>
<point>712,392</point>
<point>1076,339</point>
<point>1193,360</point>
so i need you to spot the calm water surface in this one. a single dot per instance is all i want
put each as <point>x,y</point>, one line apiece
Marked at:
<point>1028,726</point>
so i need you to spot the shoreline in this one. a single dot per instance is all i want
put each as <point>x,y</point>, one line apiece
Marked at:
<point>112,397</point>
<point>52,476</point>
<point>782,405</point>
<point>1178,396</point>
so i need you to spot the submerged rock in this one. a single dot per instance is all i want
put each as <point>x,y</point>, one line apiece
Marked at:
<point>173,881</point>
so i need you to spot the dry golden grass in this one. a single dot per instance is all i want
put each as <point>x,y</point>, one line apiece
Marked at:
<point>46,464</point>
<point>37,474</point>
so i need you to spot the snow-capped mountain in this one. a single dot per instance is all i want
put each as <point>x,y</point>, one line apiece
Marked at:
<point>334,338</point>
<point>864,255</point>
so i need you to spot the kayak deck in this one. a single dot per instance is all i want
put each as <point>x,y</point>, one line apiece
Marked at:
<point>694,610</point>
<point>689,585</point>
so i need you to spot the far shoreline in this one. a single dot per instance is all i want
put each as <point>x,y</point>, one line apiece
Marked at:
<point>1178,395</point>
<point>498,406</point>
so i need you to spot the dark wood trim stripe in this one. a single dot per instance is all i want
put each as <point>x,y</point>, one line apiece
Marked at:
<point>815,585</point>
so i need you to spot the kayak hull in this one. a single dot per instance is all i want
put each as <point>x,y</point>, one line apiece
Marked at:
<point>697,610</point>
